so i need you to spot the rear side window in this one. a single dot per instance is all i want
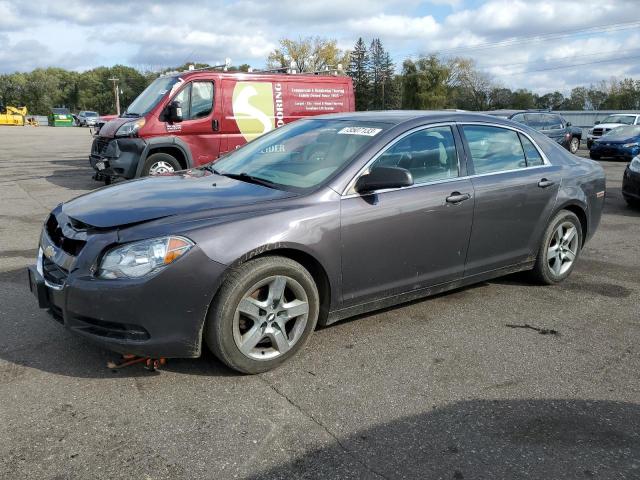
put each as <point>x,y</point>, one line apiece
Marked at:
<point>429,154</point>
<point>531,152</point>
<point>494,149</point>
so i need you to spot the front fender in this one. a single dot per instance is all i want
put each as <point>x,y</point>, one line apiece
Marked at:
<point>165,142</point>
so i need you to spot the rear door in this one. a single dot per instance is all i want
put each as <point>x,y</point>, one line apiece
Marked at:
<point>515,191</point>
<point>199,121</point>
<point>398,240</point>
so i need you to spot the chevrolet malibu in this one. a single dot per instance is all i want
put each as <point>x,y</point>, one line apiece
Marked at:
<point>316,221</point>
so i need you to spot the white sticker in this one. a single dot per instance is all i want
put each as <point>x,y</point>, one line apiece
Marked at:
<point>368,131</point>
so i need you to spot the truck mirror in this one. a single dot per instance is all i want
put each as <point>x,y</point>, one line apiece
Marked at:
<point>568,124</point>
<point>174,112</point>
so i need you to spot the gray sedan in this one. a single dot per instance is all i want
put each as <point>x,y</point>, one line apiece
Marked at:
<point>316,221</point>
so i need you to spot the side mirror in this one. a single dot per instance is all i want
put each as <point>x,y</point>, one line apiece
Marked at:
<point>173,112</point>
<point>597,122</point>
<point>568,124</point>
<point>380,178</point>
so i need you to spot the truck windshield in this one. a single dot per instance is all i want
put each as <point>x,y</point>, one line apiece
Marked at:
<point>626,119</point>
<point>150,96</point>
<point>299,156</point>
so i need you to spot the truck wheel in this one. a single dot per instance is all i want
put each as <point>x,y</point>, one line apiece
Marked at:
<point>158,164</point>
<point>263,314</point>
<point>574,145</point>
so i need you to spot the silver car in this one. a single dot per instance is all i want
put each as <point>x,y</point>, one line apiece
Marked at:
<point>87,118</point>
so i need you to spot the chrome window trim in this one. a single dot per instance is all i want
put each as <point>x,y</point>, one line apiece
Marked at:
<point>346,193</point>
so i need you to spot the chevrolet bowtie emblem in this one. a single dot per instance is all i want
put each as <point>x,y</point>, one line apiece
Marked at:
<point>49,251</point>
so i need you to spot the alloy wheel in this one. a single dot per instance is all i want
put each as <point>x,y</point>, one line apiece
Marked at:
<point>160,168</point>
<point>574,145</point>
<point>563,248</point>
<point>271,318</point>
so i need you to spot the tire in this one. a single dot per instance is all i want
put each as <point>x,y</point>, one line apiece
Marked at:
<point>632,202</point>
<point>228,330</point>
<point>594,156</point>
<point>551,268</point>
<point>158,164</point>
<point>574,144</point>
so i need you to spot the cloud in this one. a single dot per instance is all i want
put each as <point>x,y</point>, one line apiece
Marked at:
<point>155,33</point>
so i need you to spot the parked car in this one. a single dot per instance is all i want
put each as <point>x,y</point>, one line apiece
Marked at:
<point>87,118</point>
<point>631,183</point>
<point>61,117</point>
<point>551,124</point>
<point>187,119</point>
<point>319,220</point>
<point>609,123</point>
<point>619,143</point>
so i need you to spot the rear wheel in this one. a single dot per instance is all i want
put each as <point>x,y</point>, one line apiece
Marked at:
<point>559,249</point>
<point>574,144</point>
<point>159,164</point>
<point>263,314</point>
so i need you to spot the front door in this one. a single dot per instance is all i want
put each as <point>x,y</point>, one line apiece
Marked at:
<point>199,121</point>
<point>515,190</point>
<point>408,238</point>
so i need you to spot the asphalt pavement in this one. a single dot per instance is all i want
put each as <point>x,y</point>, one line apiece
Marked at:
<point>439,388</point>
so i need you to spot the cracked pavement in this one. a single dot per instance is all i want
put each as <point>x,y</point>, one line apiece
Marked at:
<point>439,388</point>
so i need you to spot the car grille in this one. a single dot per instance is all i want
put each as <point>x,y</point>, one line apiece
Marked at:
<point>100,145</point>
<point>69,245</point>
<point>53,274</point>
<point>597,132</point>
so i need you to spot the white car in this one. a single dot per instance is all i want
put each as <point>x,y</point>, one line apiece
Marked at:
<point>609,123</point>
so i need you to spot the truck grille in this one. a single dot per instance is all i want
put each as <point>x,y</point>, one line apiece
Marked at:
<point>100,145</point>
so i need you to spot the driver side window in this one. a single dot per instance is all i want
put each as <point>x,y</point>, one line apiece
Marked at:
<point>429,154</point>
<point>196,99</point>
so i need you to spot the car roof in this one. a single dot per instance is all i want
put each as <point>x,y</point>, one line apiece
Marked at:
<point>396,117</point>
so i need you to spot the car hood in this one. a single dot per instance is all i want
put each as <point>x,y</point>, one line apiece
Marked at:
<point>148,199</point>
<point>617,139</point>
<point>608,125</point>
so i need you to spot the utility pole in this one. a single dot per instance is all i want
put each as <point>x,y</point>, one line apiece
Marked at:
<point>116,91</point>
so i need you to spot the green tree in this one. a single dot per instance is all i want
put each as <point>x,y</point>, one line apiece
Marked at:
<point>358,70</point>
<point>310,54</point>
<point>424,84</point>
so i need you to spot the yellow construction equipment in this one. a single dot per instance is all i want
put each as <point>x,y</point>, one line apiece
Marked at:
<point>12,115</point>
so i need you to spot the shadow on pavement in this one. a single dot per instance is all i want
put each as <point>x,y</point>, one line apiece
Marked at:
<point>492,439</point>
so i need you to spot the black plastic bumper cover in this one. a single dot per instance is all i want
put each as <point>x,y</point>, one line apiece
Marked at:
<point>120,156</point>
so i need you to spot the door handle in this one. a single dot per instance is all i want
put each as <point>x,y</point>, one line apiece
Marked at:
<point>544,183</point>
<point>215,125</point>
<point>457,197</point>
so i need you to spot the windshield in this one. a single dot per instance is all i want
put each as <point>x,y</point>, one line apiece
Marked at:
<point>632,131</point>
<point>90,114</point>
<point>302,155</point>
<point>60,111</point>
<point>626,119</point>
<point>150,97</point>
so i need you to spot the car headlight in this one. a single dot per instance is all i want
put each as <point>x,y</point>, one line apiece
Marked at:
<point>137,259</point>
<point>634,166</point>
<point>130,129</point>
<point>629,145</point>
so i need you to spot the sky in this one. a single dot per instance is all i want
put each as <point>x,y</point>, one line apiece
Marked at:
<point>542,45</point>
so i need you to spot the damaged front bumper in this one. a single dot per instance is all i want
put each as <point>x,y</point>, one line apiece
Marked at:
<point>160,316</point>
<point>116,157</point>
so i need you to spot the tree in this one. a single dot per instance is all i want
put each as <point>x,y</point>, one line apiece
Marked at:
<point>310,54</point>
<point>424,84</point>
<point>472,87</point>
<point>358,70</point>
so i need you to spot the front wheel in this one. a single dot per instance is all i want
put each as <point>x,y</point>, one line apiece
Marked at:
<point>559,249</point>
<point>263,314</point>
<point>574,145</point>
<point>159,164</point>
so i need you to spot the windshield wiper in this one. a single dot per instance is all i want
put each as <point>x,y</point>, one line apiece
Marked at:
<point>245,177</point>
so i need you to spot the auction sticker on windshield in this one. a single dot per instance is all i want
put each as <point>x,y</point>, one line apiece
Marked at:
<point>368,131</point>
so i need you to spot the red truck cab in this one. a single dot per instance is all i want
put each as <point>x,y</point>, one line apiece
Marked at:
<point>187,119</point>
